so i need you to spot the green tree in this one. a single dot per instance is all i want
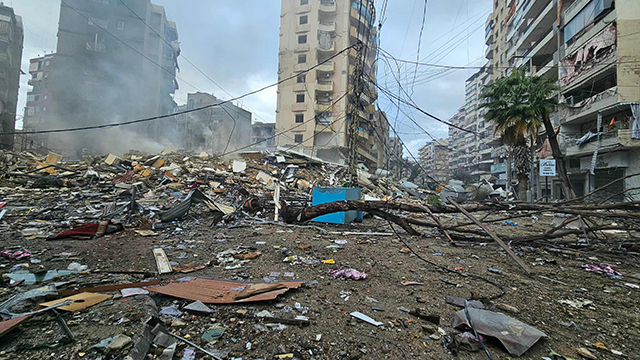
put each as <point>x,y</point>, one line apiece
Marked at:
<point>518,105</point>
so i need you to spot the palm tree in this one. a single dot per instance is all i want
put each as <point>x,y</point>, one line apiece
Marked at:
<point>508,108</point>
<point>542,102</point>
<point>518,105</point>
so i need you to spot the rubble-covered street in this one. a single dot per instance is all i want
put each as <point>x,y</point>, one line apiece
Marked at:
<point>276,290</point>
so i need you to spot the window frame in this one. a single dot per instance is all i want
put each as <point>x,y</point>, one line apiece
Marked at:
<point>298,97</point>
<point>298,138</point>
<point>302,37</point>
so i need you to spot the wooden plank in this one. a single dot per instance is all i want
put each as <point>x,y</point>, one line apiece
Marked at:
<point>493,236</point>
<point>162,261</point>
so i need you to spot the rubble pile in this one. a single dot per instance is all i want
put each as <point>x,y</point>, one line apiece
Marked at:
<point>178,256</point>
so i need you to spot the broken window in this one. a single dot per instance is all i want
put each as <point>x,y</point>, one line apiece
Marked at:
<point>300,98</point>
<point>302,59</point>
<point>304,19</point>
<point>301,78</point>
<point>298,138</point>
<point>302,39</point>
<point>299,118</point>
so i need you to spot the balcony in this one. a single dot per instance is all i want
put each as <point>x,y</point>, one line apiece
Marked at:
<point>298,87</point>
<point>589,106</point>
<point>573,10</point>
<point>300,67</point>
<point>324,86</point>
<point>489,52</point>
<point>299,107</point>
<point>324,128</point>
<point>328,67</point>
<point>323,106</point>
<point>329,26</point>
<point>328,7</point>
<point>327,48</point>
<point>610,140</point>
<point>541,24</point>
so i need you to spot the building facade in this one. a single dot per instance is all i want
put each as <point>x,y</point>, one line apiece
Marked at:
<point>115,61</point>
<point>11,40</point>
<point>589,48</point>
<point>263,135</point>
<point>213,129</point>
<point>313,108</point>
<point>434,158</point>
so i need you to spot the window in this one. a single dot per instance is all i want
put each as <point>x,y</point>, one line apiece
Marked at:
<point>300,98</point>
<point>44,109</point>
<point>46,96</point>
<point>302,59</point>
<point>299,118</point>
<point>298,138</point>
<point>304,2</point>
<point>302,39</point>
<point>301,78</point>
<point>304,19</point>
<point>120,25</point>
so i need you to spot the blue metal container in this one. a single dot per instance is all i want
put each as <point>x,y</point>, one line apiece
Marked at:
<point>322,195</point>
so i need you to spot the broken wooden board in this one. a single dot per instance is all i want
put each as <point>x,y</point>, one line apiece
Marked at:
<point>164,267</point>
<point>211,291</point>
<point>79,301</point>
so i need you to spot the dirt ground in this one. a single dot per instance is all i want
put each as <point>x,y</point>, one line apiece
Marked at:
<point>612,319</point>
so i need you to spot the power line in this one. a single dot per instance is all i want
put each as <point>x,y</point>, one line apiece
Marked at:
<point>424,17</point>
<point>185,111</point>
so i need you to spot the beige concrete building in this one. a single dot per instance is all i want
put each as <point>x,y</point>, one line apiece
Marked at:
<point>434,158</point>
<point>590,49</point>
<point>313,107</point>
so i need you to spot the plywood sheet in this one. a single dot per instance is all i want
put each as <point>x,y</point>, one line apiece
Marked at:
<point>80,301</point>
<point>212,291</point>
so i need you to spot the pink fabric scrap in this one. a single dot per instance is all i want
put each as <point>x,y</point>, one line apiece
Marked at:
<point>348,274</point>
<point>603,268</point>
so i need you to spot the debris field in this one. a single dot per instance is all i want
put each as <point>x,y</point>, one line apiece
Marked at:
<point>180,256</point>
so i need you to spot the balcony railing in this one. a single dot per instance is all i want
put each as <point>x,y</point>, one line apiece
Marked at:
<point>96,47</point>
<point>590,104</point>
<point>327,67</point>
<point>326,86</point>
<point>328,6</point>
<point>329,26</point>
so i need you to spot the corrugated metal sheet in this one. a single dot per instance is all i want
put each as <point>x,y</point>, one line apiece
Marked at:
<point>6,326</point>
<point>211,291</point>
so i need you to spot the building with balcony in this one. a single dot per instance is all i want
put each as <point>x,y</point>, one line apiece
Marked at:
<point>115,61</point>
<point>38,104</point>
<point>600,92</point>
<point>434,158</point>
<point>589,49</point>
<point>313,109</point>
<point>11,39</point>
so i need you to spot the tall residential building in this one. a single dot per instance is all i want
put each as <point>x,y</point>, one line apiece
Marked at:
<point>434,157</point>
<point>11,39</point>
<point>312,108</point>
<point>38,106</point>
<point>214,129</point>
<point>590,49</point>
<point>111,66</point>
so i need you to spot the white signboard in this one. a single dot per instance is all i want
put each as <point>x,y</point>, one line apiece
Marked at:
<point>547,168</point>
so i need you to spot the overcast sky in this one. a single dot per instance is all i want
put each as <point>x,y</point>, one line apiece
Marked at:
<point>235,42</point>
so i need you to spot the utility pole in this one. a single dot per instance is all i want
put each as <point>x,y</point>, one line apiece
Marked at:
<point>355,108</point>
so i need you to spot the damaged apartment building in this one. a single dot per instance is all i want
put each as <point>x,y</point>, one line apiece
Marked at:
<point>214,129</point>
<point>313,108</point>
<point>589,48</point>
<point>115,61</point>
<point>11,39</point>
